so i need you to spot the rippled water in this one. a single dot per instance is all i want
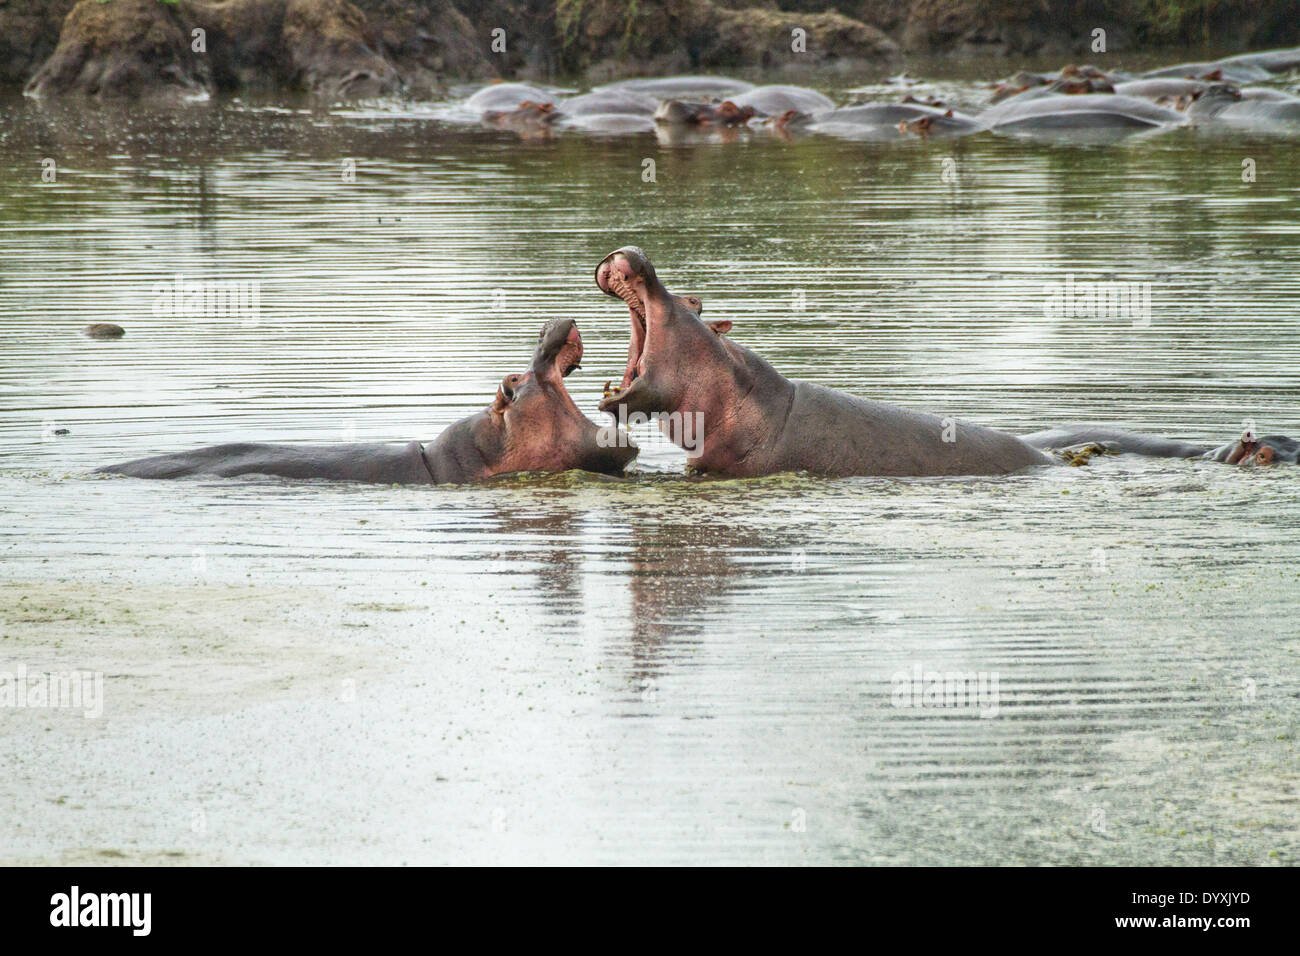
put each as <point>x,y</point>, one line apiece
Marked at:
<point>655,669</point>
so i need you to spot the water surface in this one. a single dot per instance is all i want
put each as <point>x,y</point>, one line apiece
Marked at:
<point>655,669</point>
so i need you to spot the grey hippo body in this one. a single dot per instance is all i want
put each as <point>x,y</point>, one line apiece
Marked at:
<point>1246,450</point>
<point>677,87</point>
<point>1222,103</point>
<point>755,421</point>
<point>531,425</point>
<point>1048,112</point>
<point>505,97</point>
<point>1243,68</point>
<point>890,120</point>
<point>776,99</point>
<point>609,111</point>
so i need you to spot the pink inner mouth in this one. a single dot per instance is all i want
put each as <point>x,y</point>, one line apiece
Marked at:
<point>567,358</point>
<point>614,278</point>
<point>570,356</point>
<point>635,349</point>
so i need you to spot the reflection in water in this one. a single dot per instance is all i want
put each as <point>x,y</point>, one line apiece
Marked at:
<point>660,668</point>
<point>682,574</point>
<point>554,536</point>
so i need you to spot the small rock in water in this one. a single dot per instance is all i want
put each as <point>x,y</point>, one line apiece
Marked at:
<point>103,330</point>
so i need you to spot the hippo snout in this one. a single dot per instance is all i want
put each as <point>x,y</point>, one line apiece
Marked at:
<point>559,348</point>
<point>555,335</point>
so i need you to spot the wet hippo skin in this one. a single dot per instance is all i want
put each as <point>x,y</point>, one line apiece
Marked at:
<point>1247,450</point>
<point>531,425</point>
<point>758,422</point>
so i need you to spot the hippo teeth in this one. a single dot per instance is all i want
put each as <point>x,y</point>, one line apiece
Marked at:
<point>623,289</point>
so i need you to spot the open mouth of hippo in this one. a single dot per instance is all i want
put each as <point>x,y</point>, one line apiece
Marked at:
<point>560,347</point>
<point>617,275</point>
<point>559,353</point>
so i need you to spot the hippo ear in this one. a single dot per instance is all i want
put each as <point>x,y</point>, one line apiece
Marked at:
<point>948,115</point>
<point>500,403</point>
<point>720,325</point>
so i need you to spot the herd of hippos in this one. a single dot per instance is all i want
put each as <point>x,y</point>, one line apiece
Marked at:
<point>755,421</point>
<point>1078,100</point>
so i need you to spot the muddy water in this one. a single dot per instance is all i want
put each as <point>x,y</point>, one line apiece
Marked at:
<point>657,669</point>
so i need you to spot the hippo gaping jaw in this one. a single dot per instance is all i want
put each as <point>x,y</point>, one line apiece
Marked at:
<point>747,419</point>
<point>667,336</point>
<point>531,425</point>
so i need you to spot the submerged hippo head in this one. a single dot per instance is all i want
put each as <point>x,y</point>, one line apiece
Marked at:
<point>529,119</point>
<point>1250,450</point>
<point>532,424</point>
<point>1213,100</point>
<point>1079,85</point>
<point>1017,84</point>
<point>685,112</point>
<point>670,342</point>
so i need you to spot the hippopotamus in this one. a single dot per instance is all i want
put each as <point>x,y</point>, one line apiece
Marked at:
<point>1272,61</point>
<point>531,425</point>
<point>889,120</point>
<point>1267,93</point>
<point>785,126</point>
<point>775,99</point>
<point>924,101</point>
<point>1072,79</point>
<point>1087,111</point>
<point>1017,83</point>
<point>601,102</point>
<point>681,112</point>
<point>755,421</point>
<point>940,122</point>
<point>1078,85</point>
<point>529,119</point>
<point>1242,68</point>
<point>679,87</point>
<point>103,330</point>
<point>1214,70</point>
<point>611,111</point>
<point>1064,85</point>
<point>1246,450</point>
<point>1159,90</point>
<point>504,97</point>
<point>1224,103</point>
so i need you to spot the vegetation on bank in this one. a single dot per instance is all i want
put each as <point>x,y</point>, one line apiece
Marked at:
<point>367,47</point>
